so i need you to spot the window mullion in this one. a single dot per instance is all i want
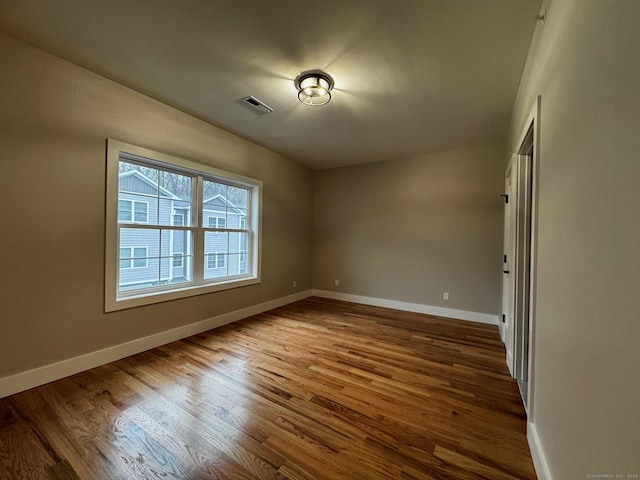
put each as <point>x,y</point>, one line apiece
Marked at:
<point>198,253</point>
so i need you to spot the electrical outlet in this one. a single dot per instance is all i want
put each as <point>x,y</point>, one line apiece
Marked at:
<point>295,284</point>
<point>445,296</point>
<point>336,283</point>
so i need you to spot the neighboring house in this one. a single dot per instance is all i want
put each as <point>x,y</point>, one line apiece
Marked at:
<point>158,256</point>
<point>226,253</point>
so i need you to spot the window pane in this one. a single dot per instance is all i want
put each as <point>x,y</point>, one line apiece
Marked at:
<point>141,247</point>
<point>135,208</point>
<point>237,218</point>
<point>238,242</point>
<point>140,257</point>
<point>215,242</point>
<point>182,208</point>
<point>176,247</point>
<point>239,197</point>
<point>135,178</point>
<point>174,197</point>
<point>234,265</point>
<point>124,210</point>
<point>213,189</point>
<point>125,258</point>
<point>139,278</point>
<point>216,266</point>
<point>214,204</point>
<point>215,221</point>
<point>182,273</point>
<point>158,197</point>
<point>141,212</point>
<point>175,185</point>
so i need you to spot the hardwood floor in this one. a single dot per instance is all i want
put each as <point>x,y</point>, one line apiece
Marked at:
<point>318,389</point>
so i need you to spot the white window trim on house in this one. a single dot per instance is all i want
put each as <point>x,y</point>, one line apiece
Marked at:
<point>131,258</point>
<point>215,259</point>
<point>118,301</point>
<point>217,220</point>
<point>242,261</point>
<point>173,220</point>
<point>133,204</point>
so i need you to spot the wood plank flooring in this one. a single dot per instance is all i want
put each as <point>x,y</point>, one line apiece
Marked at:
<point>318,389</point>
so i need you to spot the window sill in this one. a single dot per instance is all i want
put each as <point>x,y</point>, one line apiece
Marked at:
<point>150,298</point>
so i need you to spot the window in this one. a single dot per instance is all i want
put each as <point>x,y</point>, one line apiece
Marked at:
<point>217,222</point>
<point>130,210</point>
<point>176,228</point>
<point>133,257</point>
<point>242,262</point>
<point>216,260</point>
<point>178,219</point>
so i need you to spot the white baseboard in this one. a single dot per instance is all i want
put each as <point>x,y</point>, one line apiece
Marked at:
<point>410,307</point>
<point>55,371</point>
<point>537,454</point>
<point>509,362</point>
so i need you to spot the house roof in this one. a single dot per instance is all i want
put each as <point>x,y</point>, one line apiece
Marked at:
<point>147,180</point>
<point>224,203</point>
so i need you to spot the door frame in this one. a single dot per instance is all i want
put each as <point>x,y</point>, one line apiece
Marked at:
<point>525,167</point>
<point>520,264</point>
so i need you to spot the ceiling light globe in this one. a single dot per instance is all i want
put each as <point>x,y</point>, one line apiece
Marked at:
<point>314,88</point>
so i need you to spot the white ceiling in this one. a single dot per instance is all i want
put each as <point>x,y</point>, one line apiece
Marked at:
<point>411,76</point>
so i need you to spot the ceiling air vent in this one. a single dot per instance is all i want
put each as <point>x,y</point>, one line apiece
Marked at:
<point>256,105</point>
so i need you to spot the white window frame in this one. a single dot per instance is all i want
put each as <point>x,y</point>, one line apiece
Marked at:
<point>115,301</point>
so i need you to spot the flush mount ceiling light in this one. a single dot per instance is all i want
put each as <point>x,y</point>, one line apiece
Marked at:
<point>314,88</point>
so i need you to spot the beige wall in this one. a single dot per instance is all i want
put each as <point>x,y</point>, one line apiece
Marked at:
<point>410,230</point>
<point>54,119</point>
<point>585,64</point>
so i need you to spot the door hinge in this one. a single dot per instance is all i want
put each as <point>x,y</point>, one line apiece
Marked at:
<point>503,319</point>
<point>506,198</point>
